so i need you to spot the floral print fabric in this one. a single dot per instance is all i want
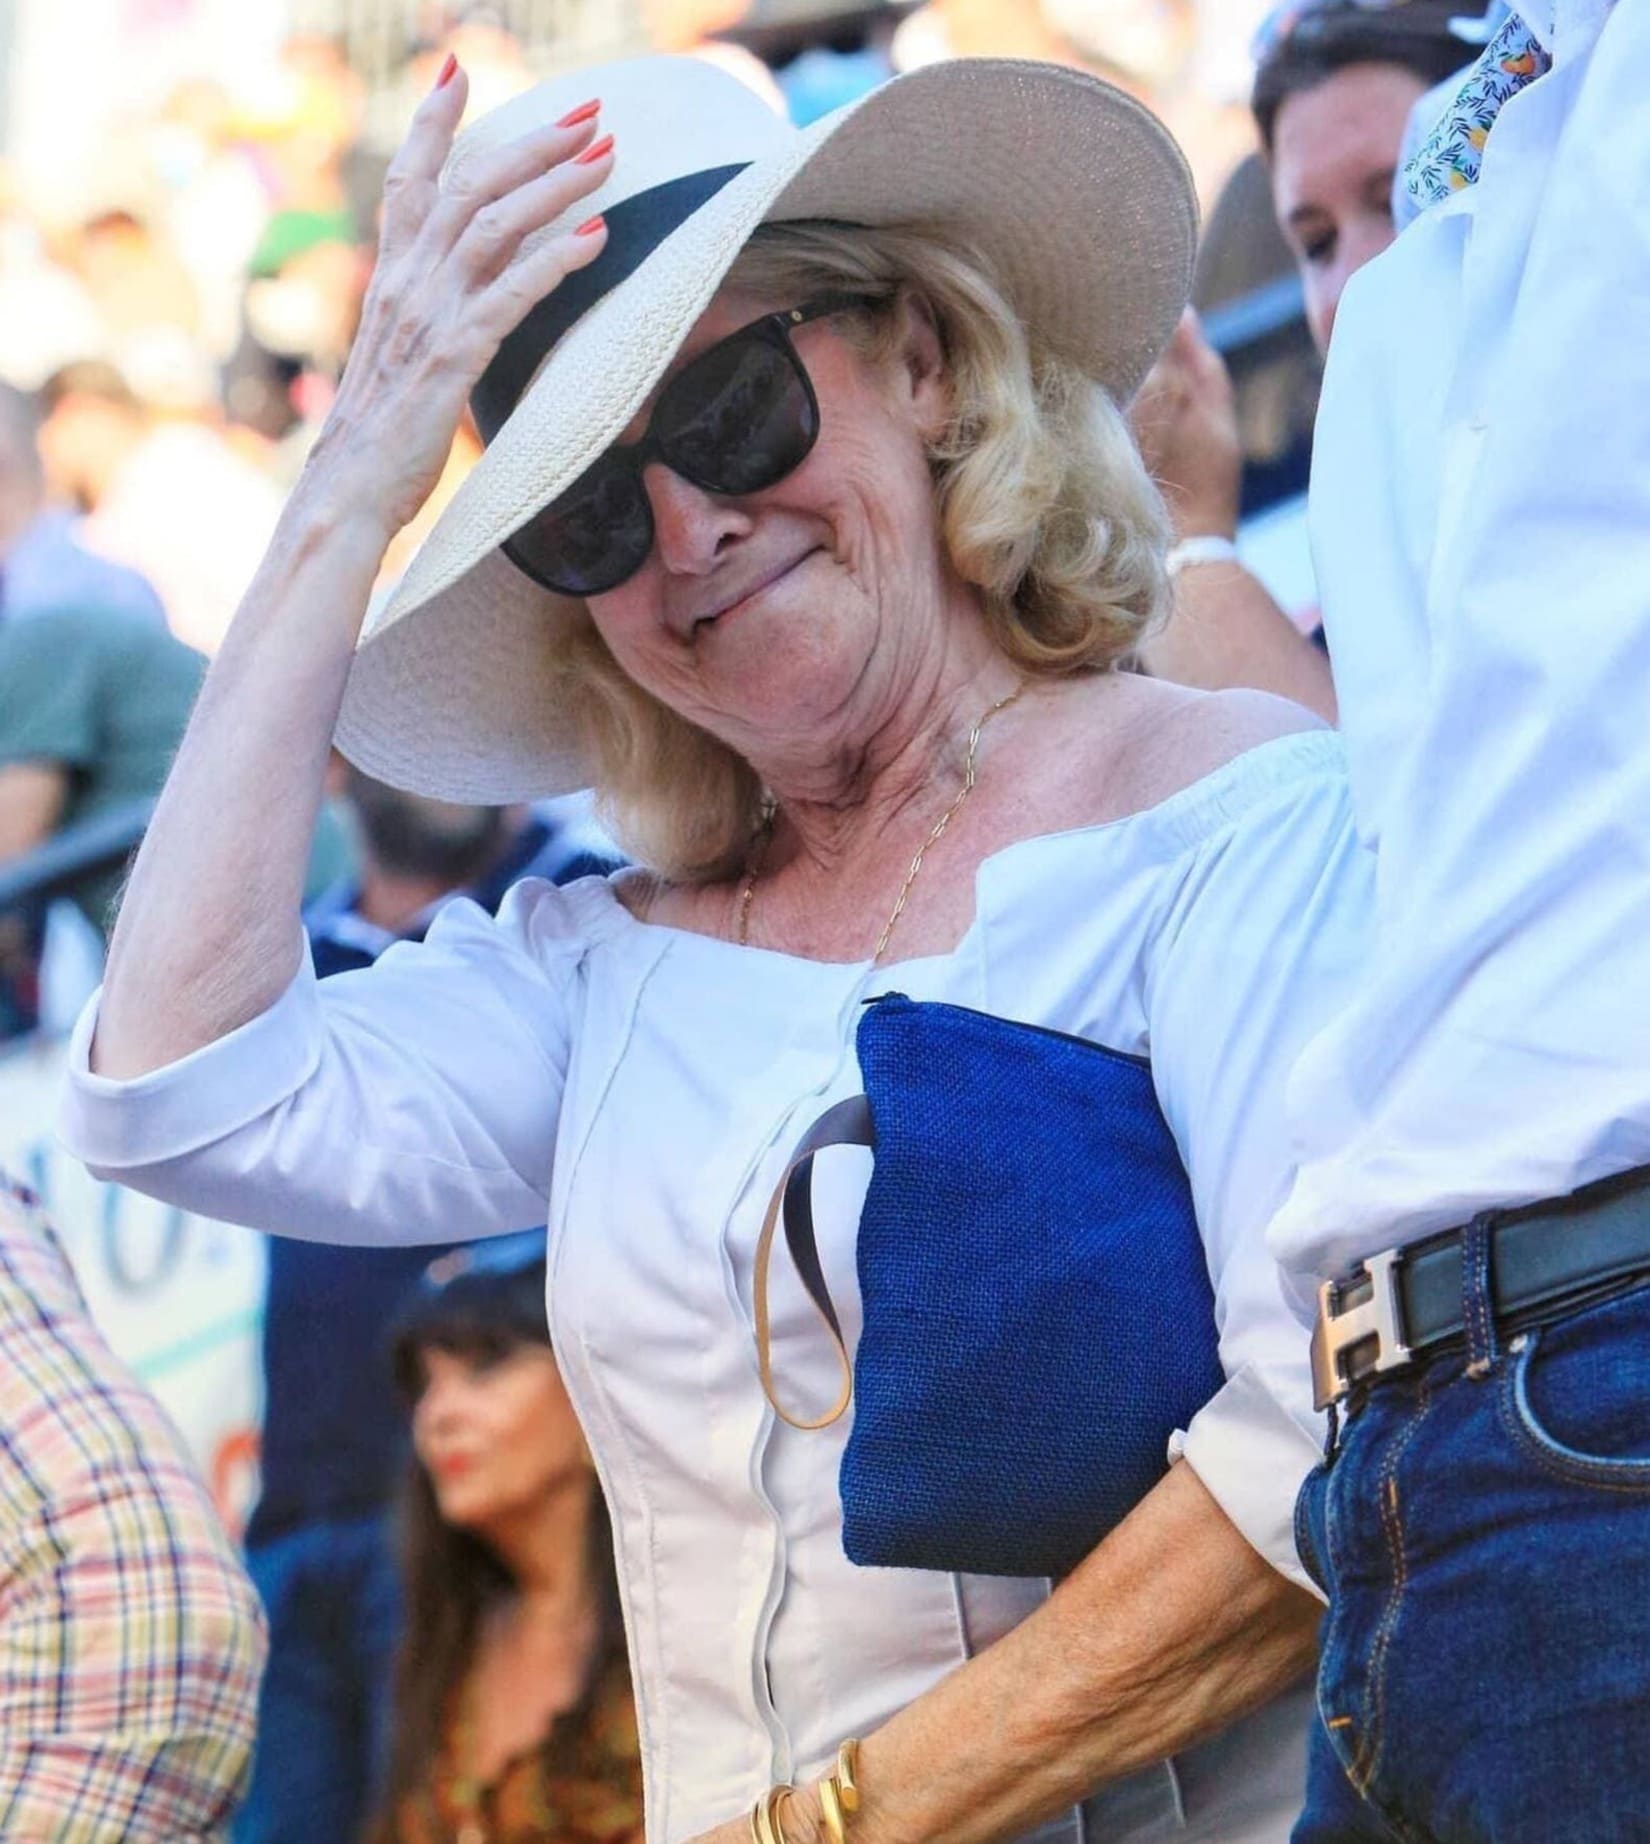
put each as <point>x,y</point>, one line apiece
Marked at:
<point>1450,157</point>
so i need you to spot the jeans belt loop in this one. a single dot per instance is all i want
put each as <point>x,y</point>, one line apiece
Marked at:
<point>1477,1294</point>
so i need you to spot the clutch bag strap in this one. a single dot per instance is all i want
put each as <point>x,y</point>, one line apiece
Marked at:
<point>847,1124</point>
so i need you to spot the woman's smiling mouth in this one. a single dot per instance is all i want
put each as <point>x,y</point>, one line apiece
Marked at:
<point>702,624</point>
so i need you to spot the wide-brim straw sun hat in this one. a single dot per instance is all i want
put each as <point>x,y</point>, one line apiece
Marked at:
<point>1074,193</point>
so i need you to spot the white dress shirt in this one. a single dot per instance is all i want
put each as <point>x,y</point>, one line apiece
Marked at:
<point>1481,522</point>
<point>641,1087</point>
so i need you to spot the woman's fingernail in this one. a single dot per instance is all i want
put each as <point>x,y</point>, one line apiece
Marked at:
<point>594,152</point>
<point>448,71</point>
<point>590,226</point>
<point>585,112</point>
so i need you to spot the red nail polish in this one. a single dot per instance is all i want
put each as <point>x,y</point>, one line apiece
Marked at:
<point>585,112</point>
<point>594,152</point>
<point>590,226</point>
<point>448,71</point>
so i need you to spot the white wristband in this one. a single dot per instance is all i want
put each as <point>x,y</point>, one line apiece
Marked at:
<point>1205,549</point>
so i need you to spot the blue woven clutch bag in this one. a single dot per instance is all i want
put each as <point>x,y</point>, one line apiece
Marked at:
<point>1038,1317</point>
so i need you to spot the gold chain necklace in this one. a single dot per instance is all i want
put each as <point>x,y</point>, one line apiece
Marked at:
<point>748,888</point>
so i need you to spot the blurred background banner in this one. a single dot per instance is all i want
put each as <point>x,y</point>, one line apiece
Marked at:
<point>178,1297</point>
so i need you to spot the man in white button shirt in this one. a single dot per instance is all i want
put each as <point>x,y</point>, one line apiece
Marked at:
<point>1482,535</point>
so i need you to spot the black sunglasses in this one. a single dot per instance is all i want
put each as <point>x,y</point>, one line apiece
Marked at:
<point>737,419</point>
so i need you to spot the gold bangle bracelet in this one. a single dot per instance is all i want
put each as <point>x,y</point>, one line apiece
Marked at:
<point>830,1809</point>
<point>839,1793</point>
<point>765,1825</point>
<point>847,1769</point>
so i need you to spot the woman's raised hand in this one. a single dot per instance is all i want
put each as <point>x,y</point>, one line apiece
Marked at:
<point>207,937</point>
<point>458,269</point>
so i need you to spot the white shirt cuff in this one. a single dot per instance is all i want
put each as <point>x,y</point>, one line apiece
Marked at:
<point>114,1127</point>
<point>1253,1456</point>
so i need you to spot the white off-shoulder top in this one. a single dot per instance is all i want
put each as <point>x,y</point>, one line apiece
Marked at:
<point>640,1087</point>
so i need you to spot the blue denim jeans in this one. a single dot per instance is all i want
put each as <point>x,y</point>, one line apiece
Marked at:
<point>1483,1534</point>
<point>332,1592</point>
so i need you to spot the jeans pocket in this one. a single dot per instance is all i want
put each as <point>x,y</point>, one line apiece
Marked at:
<point>1577,1394</point>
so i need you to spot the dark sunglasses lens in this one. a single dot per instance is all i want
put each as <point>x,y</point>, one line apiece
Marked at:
<point>739,418</point>
<point>592,537</point>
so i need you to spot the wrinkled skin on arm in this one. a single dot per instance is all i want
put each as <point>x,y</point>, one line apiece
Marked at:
<point>1174,1627</point>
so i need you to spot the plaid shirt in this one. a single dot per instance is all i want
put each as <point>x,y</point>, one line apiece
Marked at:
<point>131,1642</point>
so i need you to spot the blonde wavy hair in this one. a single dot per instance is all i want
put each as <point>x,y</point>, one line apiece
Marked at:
<point>1045,508</point>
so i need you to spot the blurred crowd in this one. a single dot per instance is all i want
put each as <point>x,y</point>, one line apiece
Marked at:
<point>184,321</point>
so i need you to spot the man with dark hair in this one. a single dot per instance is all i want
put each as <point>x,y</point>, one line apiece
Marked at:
<point>318,1545</point>
<point>1335,85</point>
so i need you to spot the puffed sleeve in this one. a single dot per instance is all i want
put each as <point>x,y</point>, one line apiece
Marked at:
<point>414,1101</point>
<point>1264,932</point>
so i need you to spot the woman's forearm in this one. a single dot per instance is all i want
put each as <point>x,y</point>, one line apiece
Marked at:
<point>1172,1629</point>
<point>1226,631</point>
<point>207,936</point>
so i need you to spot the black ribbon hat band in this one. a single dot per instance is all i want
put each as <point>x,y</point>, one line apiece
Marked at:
<point>636,227</point>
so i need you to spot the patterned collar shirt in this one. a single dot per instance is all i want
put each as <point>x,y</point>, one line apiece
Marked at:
<point>131,1642</point>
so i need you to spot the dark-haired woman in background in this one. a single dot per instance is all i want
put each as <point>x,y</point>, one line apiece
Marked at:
<point>514,1721</point>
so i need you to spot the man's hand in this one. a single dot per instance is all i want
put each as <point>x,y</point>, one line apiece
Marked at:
<point>1225,630</point>
<point>1186,424</point>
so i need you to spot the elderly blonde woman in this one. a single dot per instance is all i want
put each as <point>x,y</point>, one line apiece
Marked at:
<point>810,533</point>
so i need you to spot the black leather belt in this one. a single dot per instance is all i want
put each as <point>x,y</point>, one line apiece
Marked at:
<point>1406,1303</point>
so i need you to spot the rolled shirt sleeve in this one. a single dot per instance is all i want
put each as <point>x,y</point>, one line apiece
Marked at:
<point>1267,932</point>
<point>1252,1452</point>
<point>414,1101</point>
